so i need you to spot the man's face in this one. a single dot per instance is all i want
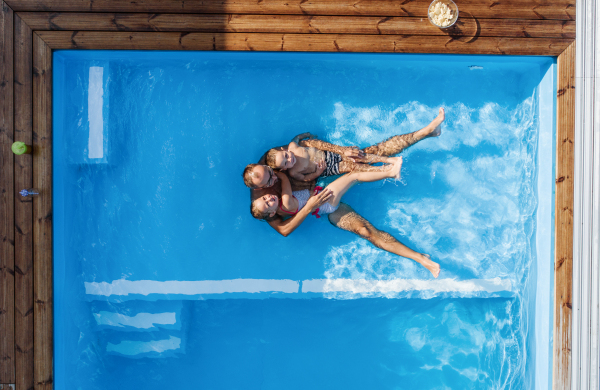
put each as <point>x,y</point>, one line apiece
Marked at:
<point>263,176</point>
<point>285,159</point>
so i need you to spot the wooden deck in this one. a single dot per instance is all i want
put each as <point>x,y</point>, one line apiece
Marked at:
<point>31,29</point>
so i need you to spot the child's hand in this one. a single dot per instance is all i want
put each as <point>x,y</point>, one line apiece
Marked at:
<point>354,153</point>
<point>319,200</point>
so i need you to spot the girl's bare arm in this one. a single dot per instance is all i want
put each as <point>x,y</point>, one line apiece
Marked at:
<point>288,201</point>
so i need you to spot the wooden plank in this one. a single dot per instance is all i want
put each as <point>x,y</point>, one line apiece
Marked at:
<point>42,213</point>
<point>299,42</point>
<point>519,9</point>
<point>7,233</point>
<point>23,210</point>
<point>563,267</point>
<point>297,24</point>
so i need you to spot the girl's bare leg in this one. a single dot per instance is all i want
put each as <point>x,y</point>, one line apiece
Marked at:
<point>349,167</point>
<point>342,184</point>
<point>398,143</point>
<point>347,219</point>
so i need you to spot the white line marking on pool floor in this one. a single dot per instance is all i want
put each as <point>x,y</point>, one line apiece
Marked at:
<point>358,286</point>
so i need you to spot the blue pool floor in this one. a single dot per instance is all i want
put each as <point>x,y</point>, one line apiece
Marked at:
<point>163,278</point>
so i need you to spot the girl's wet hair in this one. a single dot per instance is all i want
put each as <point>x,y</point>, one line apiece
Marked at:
<point>256,213</point>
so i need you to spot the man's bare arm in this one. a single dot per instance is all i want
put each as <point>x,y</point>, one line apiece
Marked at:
<point>302,136</point>
<point>322,145</point>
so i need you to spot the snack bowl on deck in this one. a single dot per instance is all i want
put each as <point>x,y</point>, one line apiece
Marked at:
<point>434,15</point>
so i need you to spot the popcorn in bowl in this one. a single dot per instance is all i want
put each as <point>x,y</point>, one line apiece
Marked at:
<point>440,14</point>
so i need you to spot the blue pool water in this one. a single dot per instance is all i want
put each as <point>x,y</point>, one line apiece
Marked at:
<point>163,278</point>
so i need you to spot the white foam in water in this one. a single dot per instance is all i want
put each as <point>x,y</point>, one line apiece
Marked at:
<point>479,223</point>
<point>140,320</point>
<point>132,348</point>
<point>485,206</point>
<point>95,103</point>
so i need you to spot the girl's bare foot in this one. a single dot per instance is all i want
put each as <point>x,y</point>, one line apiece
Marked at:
<point>394,171</point>
<point>432,266</point>
<point>436,129</point>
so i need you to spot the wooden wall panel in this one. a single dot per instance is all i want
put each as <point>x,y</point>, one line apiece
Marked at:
<point>563,266</point>
<point>297,24</point>
<point>23,209</point>
<point>99,40</point>
<point>42,214</point>
<point>518,9</point>
<point>7,233</point>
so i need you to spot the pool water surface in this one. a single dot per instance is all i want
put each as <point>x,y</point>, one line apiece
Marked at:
<point>163,278</point>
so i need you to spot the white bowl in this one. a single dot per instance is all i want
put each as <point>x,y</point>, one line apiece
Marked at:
<point>453,7</point>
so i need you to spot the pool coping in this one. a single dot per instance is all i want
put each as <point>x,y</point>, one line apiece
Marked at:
<point>32,29</point>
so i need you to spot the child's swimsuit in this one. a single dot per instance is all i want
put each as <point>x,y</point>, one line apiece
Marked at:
<point>302,197</point>
<point>332,164</point>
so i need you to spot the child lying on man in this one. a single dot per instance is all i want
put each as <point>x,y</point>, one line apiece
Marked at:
<point>268,205</point>
<point>321,159</point>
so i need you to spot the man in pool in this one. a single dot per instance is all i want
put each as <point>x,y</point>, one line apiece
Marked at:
<point>263,181</point>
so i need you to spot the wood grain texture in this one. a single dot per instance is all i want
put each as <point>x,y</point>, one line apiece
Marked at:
<point>299,42</point>
<point>297,24</point>
<point>7,193</point>
<point>520,9</point>
<point>563,266</point>
<point>23,209</point>
<point>42,214</point>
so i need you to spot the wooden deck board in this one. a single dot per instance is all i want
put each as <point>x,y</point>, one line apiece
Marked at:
<point>42,214</point>
<point>7,233</point>
<point>520,9</point>
<point>297,24</point>
<point>298,42</point>
<point>563,267</point>
<point>23,209</point>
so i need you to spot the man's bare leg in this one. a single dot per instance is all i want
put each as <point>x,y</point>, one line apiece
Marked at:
<point>347,219</point>
<point>398,143</point>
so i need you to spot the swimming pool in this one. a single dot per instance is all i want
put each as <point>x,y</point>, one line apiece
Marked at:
<point>158,280</point>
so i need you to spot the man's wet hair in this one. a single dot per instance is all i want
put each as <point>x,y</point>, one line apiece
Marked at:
<point>271,154</point>
<point>248,175</point>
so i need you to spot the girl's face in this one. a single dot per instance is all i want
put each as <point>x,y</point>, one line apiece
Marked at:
<point>267,204</point>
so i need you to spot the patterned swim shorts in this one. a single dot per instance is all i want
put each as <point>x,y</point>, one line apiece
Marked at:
<point>332,164</point>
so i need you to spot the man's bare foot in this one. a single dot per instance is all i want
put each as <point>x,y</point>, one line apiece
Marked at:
<point>432,266</point>
<point>436,129</point>
<point>394,171</point>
